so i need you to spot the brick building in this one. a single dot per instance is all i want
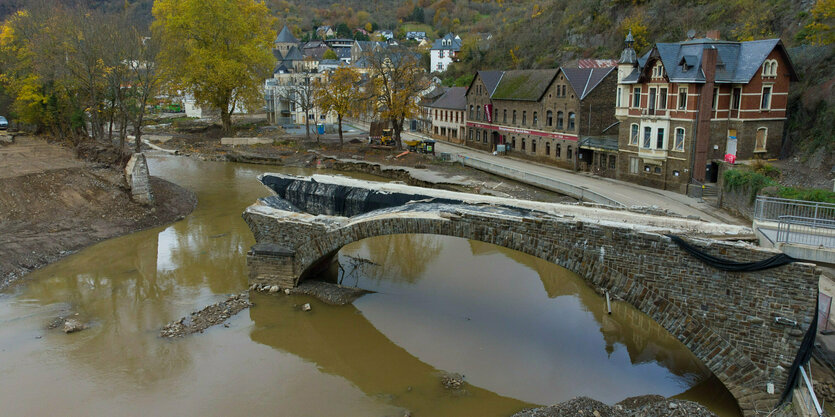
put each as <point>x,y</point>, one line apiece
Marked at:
<point>683,105</point>
<point>540,113</point>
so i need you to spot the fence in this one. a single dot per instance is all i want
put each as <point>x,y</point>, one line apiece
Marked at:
<point>551,184</point>
<point>806,231</point>
<point>771,208</point>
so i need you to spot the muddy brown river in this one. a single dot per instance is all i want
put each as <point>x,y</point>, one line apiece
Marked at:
<point>522,331</point>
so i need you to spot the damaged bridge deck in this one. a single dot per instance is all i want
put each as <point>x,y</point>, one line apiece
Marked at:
<point>728,319</point>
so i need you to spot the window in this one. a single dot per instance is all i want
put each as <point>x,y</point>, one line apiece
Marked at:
<point>633,137</point>
<point>485,137</point>
<point>662,98</point>
<point>563,90</point>
<point>765,103</point>
<point>659,139</point>
<point>770,68</point>
<point>647,137</point>
<point>558,151</point>
<point>548,148</point>
<point>736,98</point>
<point>524,117</point>
<point>504,115</point>
<point>470,134</point>
<point>568,152</point>
<point>559,120</point>
<point>523,144</point>
<point>715,104</point>
<point>651,100</point>
<point>682,98</point>
<point>570,121</point>
<point>549,118</point>
<point>478,112</point>
<point>535,119</point>
<point>759,144</point>
<point>634,165</point>
<point>514,117</point>
<point>679,143</point>
<point>496,114</point>
<point>533,145</point>
<point>636,97</point>
<point>471,112</point>
<point>436,114</point>
<point>613,161</point>
<point>657,170</point>
<point>617,100</point>
<point>513,142</point>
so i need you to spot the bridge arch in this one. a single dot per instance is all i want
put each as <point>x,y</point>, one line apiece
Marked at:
<point>586,261</point>
<point>727,319</point>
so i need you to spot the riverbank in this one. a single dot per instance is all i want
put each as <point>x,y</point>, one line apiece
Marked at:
<point>53,204</point>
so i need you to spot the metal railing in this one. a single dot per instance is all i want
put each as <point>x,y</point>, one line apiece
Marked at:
<point>806,231</point>
<point>772,208</point>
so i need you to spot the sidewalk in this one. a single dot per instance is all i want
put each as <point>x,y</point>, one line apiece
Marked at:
<point>625,193</point>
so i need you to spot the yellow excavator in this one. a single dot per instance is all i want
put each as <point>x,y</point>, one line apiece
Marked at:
<point>387,139</point>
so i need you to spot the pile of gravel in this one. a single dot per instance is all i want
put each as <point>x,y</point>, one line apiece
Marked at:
<point>212,315</point>
<point>642,406</point>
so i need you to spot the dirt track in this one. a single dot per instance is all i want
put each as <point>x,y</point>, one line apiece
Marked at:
<point>52,204</point>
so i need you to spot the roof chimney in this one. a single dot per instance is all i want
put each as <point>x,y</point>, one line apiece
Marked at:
<point>712,34</point>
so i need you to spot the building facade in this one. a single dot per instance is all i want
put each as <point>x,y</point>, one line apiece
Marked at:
<point>448,115</point>
<point>540,113</point>
<point>443,52</point>
<point>683,106</point>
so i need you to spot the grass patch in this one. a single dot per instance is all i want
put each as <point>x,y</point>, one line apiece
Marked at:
<point>762,178</point>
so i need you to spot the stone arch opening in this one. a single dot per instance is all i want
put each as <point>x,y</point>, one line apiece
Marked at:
<point>717,315</point>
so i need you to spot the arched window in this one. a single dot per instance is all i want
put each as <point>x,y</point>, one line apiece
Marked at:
<point>679,140</point>
<point>760,142</point>
<point>514,119</point>
<point>524,117</point>
<point>535,119</point>
<point>568,152</point>
<point>513,142</point>
<point>549,118</point>
<point>504,116</point>
<point>523,144</point>
<point>559,120</point>
<point>770,68</point>
<point>558,151</point>
<point>570,121</point>
<point>548,148</point>
<point>533,145</point>
<point>633,136</point>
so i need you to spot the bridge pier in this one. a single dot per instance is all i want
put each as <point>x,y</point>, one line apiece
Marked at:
<point>270,264</point>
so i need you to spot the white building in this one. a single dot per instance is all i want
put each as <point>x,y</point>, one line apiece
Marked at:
<point>447,115</point>
<point>444,51</point>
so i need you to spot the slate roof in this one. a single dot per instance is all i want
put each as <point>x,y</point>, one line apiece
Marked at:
<point>525,85</point>
<point>285,36</point>
<point>294,54</point>
<point>490,79</point>
<point>737,62</point>
<point>584,80</point>
<point>342,53</point>
<point>277,54</point>
<point>454,98</point>
<point>454,45</point>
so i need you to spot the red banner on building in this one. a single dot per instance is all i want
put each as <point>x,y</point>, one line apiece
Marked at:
<point>488,111</point>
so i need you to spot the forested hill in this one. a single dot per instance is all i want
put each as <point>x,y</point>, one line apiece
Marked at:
<point>547,33</point>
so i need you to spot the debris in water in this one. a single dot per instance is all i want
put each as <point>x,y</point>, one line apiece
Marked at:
<point>212,315</point>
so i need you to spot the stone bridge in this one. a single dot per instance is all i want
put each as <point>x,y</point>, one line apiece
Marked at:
<point>746,327</point>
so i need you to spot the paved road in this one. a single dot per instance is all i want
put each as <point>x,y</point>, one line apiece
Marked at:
<point>626,193</point>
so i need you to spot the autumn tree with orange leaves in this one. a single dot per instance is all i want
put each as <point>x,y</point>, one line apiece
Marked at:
<point>340,92</point>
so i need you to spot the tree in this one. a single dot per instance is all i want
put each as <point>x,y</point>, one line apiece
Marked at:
<point>144,80</point>
<point>330,54</point>
<point>821,31</point>
<point>300,90</point>
<point>219,51</point>
<point>339,93</point>
<point>397,78</point>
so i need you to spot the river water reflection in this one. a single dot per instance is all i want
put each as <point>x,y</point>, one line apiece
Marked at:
<point>522,331</point>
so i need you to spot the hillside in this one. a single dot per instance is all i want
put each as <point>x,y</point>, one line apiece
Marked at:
<point>533,34</point>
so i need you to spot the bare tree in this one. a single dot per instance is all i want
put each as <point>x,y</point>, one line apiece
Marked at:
<point>299,89</point>
<point>145,79</point>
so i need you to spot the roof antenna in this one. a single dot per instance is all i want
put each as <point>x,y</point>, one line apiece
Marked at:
<point>691,34</point>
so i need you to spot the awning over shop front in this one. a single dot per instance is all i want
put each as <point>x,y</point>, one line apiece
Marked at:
<point>599,143</point>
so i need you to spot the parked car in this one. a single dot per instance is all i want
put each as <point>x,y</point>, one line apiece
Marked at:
<point>4,124</point>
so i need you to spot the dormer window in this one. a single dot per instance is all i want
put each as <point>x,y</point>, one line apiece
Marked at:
<point>658,70</point>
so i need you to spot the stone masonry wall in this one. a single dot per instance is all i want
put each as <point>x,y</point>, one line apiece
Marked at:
<point>727,319</point>
<point>138,179</point>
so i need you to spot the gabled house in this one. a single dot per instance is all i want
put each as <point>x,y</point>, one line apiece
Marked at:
<point>448,115</point>
<point>684,106</point>
<point>325,32</point>
<point>540,113</point>
<point>444,51</point>
<point>362,48</point>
